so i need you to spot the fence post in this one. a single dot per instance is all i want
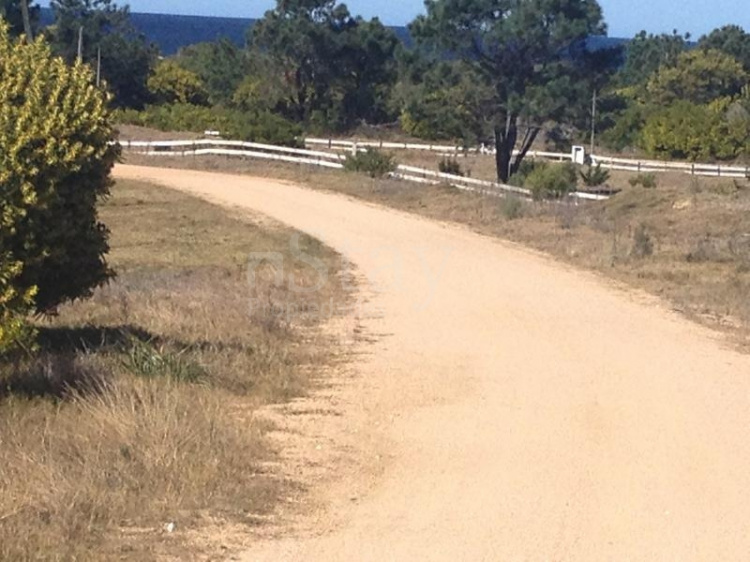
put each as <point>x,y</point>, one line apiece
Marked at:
<point>718,170</point>
<point>639,166</point>
<point>692,169</point>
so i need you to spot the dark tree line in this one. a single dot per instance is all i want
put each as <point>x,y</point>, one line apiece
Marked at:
<point>511,73</point>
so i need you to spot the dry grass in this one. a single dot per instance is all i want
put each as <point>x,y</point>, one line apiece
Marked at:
<point>137,133</point>
<point>140,409</point>
<point>699,229</point>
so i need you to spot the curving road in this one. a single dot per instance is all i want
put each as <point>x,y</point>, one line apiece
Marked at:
<point>532,412</point>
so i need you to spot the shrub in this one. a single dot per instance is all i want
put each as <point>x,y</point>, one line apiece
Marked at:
<point>594,176</point>
<point>55,163</point>
<point>697,132</point>
<point>371,162</point>
<point>170,83</point>
<point>449,165</point>
<point>551,181</point>
<point>260,126</point>
<point>648,180</point>
<point>524,170</point>
<point>14,305</point>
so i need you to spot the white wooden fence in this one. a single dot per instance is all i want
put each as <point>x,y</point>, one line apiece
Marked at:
<point>695,169</point>
<point>626,164</point>
<point>204,147</point>
<point>350,146</point>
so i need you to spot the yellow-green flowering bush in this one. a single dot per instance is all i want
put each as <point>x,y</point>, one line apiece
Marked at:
<point>55,164</point>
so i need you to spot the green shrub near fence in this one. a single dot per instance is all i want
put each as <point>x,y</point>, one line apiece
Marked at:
<point>260,126</point>
<point>372,162</point>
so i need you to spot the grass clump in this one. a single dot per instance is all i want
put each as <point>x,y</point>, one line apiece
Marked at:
<point>511,207</point>
<point>643,245</point>
<point>144,359</point>
<point>648,180</point>
<point>372,162</point>
<point>451,166</point>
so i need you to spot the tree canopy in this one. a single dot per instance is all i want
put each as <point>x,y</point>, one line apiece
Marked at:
<point>731,40</point>
<point>646,53</point>
<point>335,68</point>
<point>532,53</point>
<point>126,57</point>
<point>697,76</point>
<point>12,12</point>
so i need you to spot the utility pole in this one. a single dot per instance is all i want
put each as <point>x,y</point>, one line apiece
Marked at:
<point>593,122</point>
<point>26,21</point>
<point>98,67</point>
<point>80,44</point>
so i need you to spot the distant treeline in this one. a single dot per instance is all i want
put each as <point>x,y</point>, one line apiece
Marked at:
<point>173,32</point>
<point>519,72</point>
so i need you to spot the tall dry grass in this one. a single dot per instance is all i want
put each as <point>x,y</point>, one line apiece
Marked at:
<point>139,410</point>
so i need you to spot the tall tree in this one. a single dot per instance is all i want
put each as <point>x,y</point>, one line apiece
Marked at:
<point>646,53</point>
<point>531,52</point>
<point>337,68</point>
<point>732,40</point>
<point>21,15</point>
<point>126,57</point>
<point>220,65</point>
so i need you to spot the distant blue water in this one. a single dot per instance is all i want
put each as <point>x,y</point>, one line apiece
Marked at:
<point>171,32</point>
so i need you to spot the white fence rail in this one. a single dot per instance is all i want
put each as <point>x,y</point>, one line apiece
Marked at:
<point>317,158</point>
<point>625,164</point>
<point>412,173</point>
<point>695,169</point>
<point>332,144</point>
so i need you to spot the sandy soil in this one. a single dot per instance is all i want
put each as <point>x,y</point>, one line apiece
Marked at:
<point>511,408</point>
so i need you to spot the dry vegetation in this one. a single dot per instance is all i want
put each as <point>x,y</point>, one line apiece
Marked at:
<point>687,239</point>
<point>140,410</point>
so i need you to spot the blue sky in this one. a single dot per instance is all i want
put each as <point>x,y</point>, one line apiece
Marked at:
<point>624,17</point>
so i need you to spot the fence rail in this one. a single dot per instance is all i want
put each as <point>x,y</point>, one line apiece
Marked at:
<point>205,147</point>
<point>612,163</point>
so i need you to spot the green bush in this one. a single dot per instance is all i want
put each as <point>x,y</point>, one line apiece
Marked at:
<point>648,180</point>
<point>697,132</point>
<point>524,170</point>
<point>170,83</point>
<point>371,162</point>
<point>451,166</point>
<point>594,176</point>
<point>55,163</point>
<point>261,126</point>
<point>551,181</point>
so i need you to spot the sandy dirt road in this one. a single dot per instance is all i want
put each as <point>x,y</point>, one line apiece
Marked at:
<point>531,412</point>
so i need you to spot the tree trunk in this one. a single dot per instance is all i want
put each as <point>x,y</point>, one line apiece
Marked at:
<point>528,140</point>
<point>26,20</point>
<point>505,141</point>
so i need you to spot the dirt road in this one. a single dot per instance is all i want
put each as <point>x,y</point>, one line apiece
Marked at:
<point>529,412</point>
